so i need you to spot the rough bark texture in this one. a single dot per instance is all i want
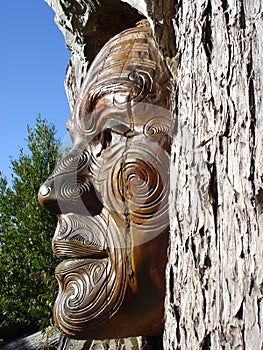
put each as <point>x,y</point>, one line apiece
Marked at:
<point>214,275</point>
<point>215,269</point>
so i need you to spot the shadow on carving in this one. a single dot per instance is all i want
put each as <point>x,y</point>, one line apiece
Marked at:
<point>110,193</point>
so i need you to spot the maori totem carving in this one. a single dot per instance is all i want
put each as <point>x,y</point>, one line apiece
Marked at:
<point>110,193</point>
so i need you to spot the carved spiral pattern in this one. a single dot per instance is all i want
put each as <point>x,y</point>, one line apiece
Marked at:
<point>141,85</point>
<point>135,184</point>
<point>131,179</point>
<point>79,300</point>
<point>75,161</point>
<point>140,184</point>
<point>79,237</point>
<point>74,188</point>
<point>135,86</point>
<point>157,126</point>
<point>89,289</point>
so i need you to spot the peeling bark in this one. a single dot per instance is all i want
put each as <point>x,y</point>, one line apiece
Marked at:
<point>214,275</point>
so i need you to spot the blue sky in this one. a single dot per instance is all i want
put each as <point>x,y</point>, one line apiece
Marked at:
<point>33,62</point>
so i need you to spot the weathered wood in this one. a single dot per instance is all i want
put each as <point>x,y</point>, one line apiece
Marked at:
<point>38,341</point>
<point>214,276</point>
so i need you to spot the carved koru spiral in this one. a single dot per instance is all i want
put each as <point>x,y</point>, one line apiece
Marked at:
<point>73,162</point>
<point>135,182</point>
<point>88,284</point>
<point>110,193</point>
<point>157,126</point>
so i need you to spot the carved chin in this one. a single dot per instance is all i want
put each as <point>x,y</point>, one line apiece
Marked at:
<point>89,293</point>
<point>92,280</point>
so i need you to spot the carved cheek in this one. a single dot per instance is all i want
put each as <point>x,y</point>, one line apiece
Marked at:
<point>134,184</point>
<point>91,289</point>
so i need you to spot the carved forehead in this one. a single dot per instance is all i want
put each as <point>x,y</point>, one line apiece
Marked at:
<point>128,69</point>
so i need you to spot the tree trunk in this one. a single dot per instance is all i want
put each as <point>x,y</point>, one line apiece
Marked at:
<point>214,275</point>
<point>214,50</point>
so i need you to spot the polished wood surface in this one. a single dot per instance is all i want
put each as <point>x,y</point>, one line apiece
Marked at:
<point>110,193</point>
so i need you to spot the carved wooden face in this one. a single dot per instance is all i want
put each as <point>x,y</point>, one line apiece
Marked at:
<point>110,193</point>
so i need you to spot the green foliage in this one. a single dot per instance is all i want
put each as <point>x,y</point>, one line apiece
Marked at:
<point>27,283</point>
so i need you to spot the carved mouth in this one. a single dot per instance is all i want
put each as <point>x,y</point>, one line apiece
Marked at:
<point>68,250</point>
<point>77,238</point>
<point>70,266</point>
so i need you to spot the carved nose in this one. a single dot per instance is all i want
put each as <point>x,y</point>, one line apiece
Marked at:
<point>70,194</point>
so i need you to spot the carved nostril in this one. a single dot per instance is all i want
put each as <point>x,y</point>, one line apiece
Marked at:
<point>44,191</point>
<point>43,195</point>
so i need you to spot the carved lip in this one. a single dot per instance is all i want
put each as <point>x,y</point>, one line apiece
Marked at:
<point>74,239</point>
<point>72,265</point>
<point>64,249</point>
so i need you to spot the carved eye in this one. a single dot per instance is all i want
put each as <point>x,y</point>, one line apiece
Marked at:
<point>104,138</point>
<point>109,137</point>
<point>120,129</point>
